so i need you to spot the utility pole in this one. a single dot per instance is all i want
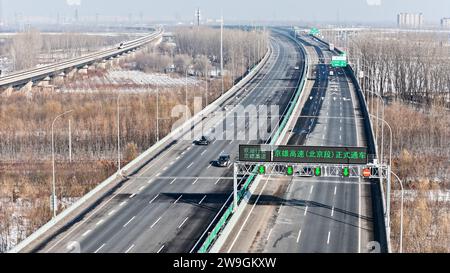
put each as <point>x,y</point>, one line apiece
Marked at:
<point>157,112</point>
<point>221,50</point>
<point>70,143</point>
<point>118,134</point>
<point>53,197</point>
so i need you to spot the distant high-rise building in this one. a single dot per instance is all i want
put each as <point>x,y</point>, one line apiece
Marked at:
<point>410,20</point>
<point>197,17</point>
<point>445,22</point>
<point>76,15</point>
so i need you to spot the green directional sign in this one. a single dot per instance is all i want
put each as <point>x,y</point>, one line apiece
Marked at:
<point>339,61</point>
<point>303,154</point>
<point>345,172</point>
<point>255,153</point>
<point>320,154</point>
<point>314,31</point>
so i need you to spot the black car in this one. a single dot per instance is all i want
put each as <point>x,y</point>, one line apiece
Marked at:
<point>224,160</point>
<point>204,140</point>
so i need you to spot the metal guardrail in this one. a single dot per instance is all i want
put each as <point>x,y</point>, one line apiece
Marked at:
<point>242,192</point>
<point>20,77</point>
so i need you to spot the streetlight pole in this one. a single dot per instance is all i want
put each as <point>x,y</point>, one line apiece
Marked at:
<point>53,199</point>
<point>186,95</point>
<point>221,51</point>
<point>157,112</point>
<point>401,212</point>
<point>118,135</point>
<point>382,124</point>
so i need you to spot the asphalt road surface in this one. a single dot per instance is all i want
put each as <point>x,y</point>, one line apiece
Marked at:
<point>167,205</point>
<point>314,214</point>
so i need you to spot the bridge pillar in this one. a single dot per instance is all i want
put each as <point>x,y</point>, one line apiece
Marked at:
<point>58,79</point>
<point>83,70</point>
<point>92,68</point>
<point>45,82</point>
<point>71,73</point>
<point>101,65</point>
<point>27,87</point>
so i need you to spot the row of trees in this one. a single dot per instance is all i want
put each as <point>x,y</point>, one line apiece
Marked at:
<point>411,66</point>
<point>421,159</point>
<point>198,49</point>
<point>29,48</point>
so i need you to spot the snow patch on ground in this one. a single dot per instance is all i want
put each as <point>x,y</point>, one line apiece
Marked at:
<point>139,77</point>
<point>128,81</point>
<point>15,230</point>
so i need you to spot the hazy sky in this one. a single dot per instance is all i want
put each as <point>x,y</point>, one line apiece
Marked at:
<point>298,10</point>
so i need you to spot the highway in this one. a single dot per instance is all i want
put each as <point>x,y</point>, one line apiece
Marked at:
<point>169,203</point>
<point>22,77</point>
<point>313,214</point>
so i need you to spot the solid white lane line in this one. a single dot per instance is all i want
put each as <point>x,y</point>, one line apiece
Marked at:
<point>98,249</point>
<point>173,181</point>
<point>183,222</point>
<point>190,165</point>
<point>156,222</point>
<point>335,189</point>
<point>100,222</point>
<point>248,216</point>
<point>133,195</point>
<point>86,233</point>
<point>201,201</point>
<point>359,218</point>
<point>130,248</point>
<point>151,201</point>
<point>195,181</point>
<point>268,236</point>
<point>160,249</point>
<point>176,201</point>
<point>328,239</point>
<point>298,236</point>
<point>129,221</point>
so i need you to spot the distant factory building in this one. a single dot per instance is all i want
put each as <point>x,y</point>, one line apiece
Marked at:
<point>410,20</point>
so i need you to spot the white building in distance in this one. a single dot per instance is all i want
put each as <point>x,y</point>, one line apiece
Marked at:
<point>410,20</point>
<point>445,23</point>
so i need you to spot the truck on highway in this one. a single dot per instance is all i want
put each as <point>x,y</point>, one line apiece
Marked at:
<point>331,47</point>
